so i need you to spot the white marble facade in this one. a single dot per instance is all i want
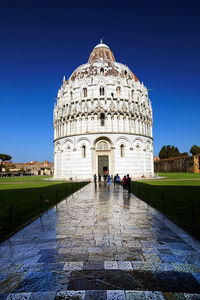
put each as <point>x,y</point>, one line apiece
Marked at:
<point>102,121</point>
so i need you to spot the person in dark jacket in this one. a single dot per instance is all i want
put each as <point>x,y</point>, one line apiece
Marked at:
<point>128,183</point>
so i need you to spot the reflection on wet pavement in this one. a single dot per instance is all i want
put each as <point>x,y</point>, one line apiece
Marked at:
<point>100,244</point>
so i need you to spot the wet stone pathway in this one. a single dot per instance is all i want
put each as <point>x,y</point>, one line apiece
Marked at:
<point>100,244</point>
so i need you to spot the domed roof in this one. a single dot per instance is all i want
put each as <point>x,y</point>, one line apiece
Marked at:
<point>101,45</point>
<point>102,61</point>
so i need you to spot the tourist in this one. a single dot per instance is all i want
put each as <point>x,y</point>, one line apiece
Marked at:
<point>95,178</point>
<point>124,183</point>
<point>128,183</point>
<point>99,178</point>
<point>117,179</point>
<point>109,181</point>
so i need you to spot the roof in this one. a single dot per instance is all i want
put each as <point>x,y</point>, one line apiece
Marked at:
<point>101,45</point>
<point>102,61</point>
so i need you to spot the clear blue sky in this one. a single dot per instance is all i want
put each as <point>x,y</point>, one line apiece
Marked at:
<point>41,41</point>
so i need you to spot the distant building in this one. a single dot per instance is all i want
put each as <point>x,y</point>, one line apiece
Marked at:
<point>102,121</point>
<point>187,164</point>
<point>32,168</point>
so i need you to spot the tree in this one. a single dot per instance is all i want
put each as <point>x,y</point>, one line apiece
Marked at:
<point>5,157</point>
<point>170,151</point>
<point>195,150</point>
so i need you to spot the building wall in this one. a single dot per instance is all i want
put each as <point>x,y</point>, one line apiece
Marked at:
<point>137,160</point>
<point>187,164</point>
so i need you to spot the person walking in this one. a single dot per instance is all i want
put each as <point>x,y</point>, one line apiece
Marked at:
<point>108,181</point>
<point>117,179</point>
<point>124,183</point>
<point>99,178</point>
<point>128,183</point>
<point>95,178</point>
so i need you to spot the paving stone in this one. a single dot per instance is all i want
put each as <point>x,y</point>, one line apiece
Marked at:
<point>95,295</point>
<point>73,265</point>
<point>19,296</point>
<point>125,265</point>
<point>93,265</point>
<point>110,265</point>
<point>43,296</point>
<point>116,295</point>
<point>66,295</point>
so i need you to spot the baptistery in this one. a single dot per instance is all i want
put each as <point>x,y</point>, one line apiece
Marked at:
<point>102,121</point>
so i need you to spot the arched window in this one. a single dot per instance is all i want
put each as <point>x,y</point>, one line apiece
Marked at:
<point>71,96</point>
<point>102,118</point>
<point>122,150</point>
<point>83,151</point>
<point>101,91</point>
<point>103,146</point>
<point>102,71</point>
<point>125,74</point>
<point>84,92</point>
<point>118,90</point>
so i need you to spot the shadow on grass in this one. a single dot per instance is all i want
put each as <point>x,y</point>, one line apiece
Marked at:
<point>18,206</point>
<point>179,203</point>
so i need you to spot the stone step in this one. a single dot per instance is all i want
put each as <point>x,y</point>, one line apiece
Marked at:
<point>100,295</point>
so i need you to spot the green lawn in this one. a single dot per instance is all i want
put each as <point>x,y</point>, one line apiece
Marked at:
<point>180,175</point>
<point>29,200</point>
<point>178,199</point>
<point>24,178</point>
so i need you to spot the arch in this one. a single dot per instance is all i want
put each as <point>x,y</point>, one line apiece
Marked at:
<point>57,147</point>
<point>103,145</point>
<point>123,138</point>
<point>148,145</point>
<point>138,143</point>
<point>83,139</point>
<point>66,144</point>
<point>103,138</point>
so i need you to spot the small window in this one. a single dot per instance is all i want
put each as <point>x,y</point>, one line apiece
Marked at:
<point>84,92</point>
<point>102,71</point>
<point>122,150</point>
<point>102,118</point>
<point>83,151</point>
<point>71,96</point>
<point>125,74</point>
<point>101,91</point>
<point>68,152</point>
<point>132,94</point>
<point>118,90</point>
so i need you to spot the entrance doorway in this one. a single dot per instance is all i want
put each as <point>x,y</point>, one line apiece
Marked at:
<point>103,165</point>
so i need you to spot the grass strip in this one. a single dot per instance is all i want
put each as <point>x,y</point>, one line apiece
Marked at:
<point>179,200</point>
<point>180,175</point>
<point>19,203</point>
